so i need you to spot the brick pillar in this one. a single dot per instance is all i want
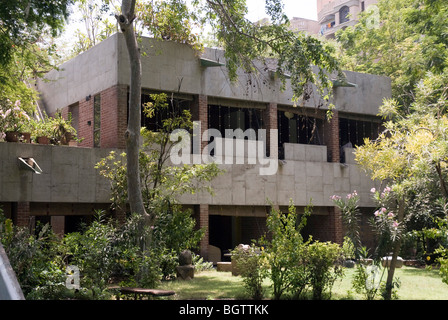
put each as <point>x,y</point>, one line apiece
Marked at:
<point>335,225</point>
<point>199,112</point>
<point>114,117</point>
<point>327,227</point>
<point>58,225</point>
<point>333,143</point>
<point>85,126</point>
<point>271,122</point>
<point>23,214</point>
<point>204,223</point>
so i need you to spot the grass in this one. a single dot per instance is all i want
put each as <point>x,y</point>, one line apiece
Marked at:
<point>416,284</point>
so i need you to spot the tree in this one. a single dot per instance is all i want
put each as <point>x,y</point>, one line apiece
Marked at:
<point>23,23</point>
<point>412,154</point>
<point>97,27</point>
<point>410,46</point>
<point>126,22</point>
<point>26,48</point>
<point>408,41</point>
<point>243,42</point>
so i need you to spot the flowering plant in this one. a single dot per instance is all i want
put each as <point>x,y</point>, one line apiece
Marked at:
<point>385,220</point>
<point>12,117</point>
<point>350,217</point>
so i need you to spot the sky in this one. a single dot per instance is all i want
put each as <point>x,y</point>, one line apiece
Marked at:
<point>293,8</point>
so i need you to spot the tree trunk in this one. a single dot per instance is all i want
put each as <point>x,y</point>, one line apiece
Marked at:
<point>125,21</point>
<point>393,262</point>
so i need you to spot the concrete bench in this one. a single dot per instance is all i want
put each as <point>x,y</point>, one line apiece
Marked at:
<point>224,266</point>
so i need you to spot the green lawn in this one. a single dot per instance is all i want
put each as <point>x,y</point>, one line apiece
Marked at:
<point>416,284</point>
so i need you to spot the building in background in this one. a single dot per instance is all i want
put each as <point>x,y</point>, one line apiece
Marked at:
<point>333,15</point>
<point>94,86</point>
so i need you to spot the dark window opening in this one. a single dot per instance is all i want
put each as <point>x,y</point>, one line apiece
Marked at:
<point>344,14</point>
<point>77,223</point>
<point>73,111</point>
<point>301,129</point>
<point>223,118</point>
<point>174,109</point>
<point>352,133</point>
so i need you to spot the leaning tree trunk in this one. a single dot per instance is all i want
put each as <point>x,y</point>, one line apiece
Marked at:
<point>125,20</point>
<point>396,250</point>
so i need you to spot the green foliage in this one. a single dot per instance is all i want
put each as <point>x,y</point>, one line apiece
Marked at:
<point>169,20</point>
<point>93,253</point>
<point>23,22</point>
<point>245,42</point>
<point>351,218</point>
<point>174,228</point>
<point>248,262</point>
<point>367,279</point>
<point>284,252</point>
<point>293,265</point>
<point>389,231</point>
<point>36,260</point>
<point>97,26</point>
<point>324,261</point>
<point>12,116</point>
<point>414,29</point>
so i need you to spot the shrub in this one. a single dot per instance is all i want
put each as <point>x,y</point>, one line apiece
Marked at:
<point>249,263</point>
<point>324,259</point>
<point>36,260</point>
<point>284,252</point>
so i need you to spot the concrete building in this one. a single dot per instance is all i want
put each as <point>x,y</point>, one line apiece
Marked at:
<point>333,15</point>
<point>309,26</point>
<point>313,163</point>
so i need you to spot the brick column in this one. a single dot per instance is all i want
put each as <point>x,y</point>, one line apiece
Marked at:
<point>85,126</point>
<point>271,122</point>
<point>23,214</point>
<point>58,225</point>
<point>335,225</point>
<point>199,112</point>
<point>204,223</point>
<point>327,227</point>
<point>114,117</point>
<point>333,143</point>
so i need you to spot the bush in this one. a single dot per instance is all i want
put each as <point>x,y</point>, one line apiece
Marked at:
<point>249,263</point>
<point>284,253</point>
<point>36,260</point>
<point>325,266</point>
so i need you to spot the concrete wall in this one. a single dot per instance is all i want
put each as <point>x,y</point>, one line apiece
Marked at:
<point>303,175</point>
<point>87,74</point>
<point>68,174</point>
<point>169,66</point>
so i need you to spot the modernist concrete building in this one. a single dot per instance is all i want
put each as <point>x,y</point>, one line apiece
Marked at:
<point>333,15</point>
<point>93,87</point>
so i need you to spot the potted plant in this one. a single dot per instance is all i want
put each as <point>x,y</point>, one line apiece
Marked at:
<point>41,132</point>
<point>61,129</point>
<point>12,120</point>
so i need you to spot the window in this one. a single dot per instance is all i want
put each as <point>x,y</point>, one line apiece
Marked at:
<point>97,121</point>
<point>224,117</point>
<point>363,6</point>
<point>175,108</point>
<point>294,128</point>
<point>343,14</point>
